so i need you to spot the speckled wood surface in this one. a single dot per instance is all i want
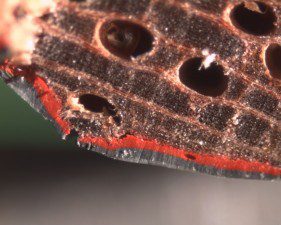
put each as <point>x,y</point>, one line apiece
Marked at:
<point>184,84</point>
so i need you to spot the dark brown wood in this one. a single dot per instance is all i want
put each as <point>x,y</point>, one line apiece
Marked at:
<point>196,77</point>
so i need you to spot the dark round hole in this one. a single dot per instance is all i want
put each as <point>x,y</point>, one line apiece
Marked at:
<point>96,104</point>
<point>255,18</point>
<point>126,39</point>
<point>209,81</point>
<point>273,60</point>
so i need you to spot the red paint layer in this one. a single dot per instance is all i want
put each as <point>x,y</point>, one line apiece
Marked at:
<point>47,96</point>
<point>53,106</point>
<point>51,103</point>
<point>219,162</point>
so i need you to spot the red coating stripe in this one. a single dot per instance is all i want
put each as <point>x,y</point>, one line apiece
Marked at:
<point>219,162</point>
<point>51,103</point>
<point>53,106</point>
<point>47,96</point>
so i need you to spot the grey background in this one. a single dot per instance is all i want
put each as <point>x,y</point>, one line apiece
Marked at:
<point>47,181</point>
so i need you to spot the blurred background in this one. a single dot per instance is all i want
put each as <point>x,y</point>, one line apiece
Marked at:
<point>47,181</point>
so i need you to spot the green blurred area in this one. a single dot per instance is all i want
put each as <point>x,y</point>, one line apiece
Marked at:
<point>21,126</point>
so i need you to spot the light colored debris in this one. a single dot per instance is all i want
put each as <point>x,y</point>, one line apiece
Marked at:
<point>18,29</point>
<point>209,59</point>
